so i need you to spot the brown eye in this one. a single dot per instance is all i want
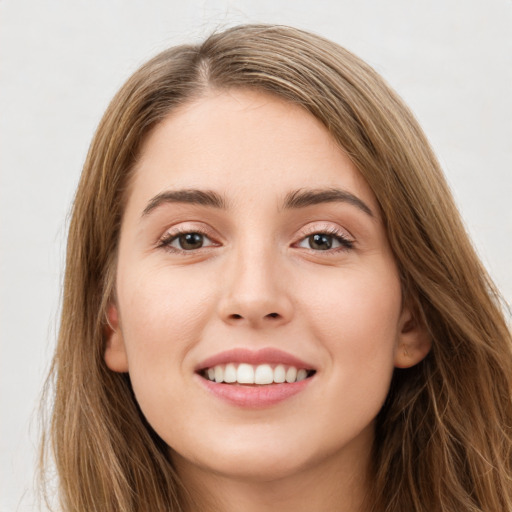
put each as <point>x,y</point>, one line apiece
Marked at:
<point>320,242</point>
<point>186,241</point>
<point>190,241</point>
<point>325,242</point>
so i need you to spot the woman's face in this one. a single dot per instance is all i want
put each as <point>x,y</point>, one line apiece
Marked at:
<point>252,251</point>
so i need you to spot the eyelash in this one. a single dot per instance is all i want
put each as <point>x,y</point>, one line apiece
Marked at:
<point>168,238</point>
<point>345,243</point>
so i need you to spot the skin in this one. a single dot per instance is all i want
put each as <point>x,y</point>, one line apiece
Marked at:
<point>256,283</point>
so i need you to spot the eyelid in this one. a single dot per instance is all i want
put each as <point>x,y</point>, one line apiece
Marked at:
<point>347,241</point>
<point>327,228</point>
<point>174,232</point>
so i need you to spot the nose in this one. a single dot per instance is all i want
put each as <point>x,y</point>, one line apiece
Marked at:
<point>255,292</point>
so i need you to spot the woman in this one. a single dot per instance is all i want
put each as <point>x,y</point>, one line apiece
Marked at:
<point>270,301</point>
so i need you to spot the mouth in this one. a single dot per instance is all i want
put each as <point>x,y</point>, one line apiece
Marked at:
<point>255,379</point>
<point>255,374</point>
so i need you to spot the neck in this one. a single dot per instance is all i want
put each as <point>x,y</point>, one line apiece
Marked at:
<point>334,484</point>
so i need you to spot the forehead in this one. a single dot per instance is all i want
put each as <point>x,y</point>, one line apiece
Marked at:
<point>246,144</point>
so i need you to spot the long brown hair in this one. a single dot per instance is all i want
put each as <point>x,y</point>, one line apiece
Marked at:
<point>443,438</point>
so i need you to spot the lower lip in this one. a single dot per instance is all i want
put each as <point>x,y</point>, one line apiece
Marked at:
<point>254,397</point>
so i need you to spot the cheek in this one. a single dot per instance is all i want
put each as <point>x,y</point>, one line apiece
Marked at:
<point>158,304</point>
<point>357,321</point>
<point>366,296</point>
<point>163,315</point>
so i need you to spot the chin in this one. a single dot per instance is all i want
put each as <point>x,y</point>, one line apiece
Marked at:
<point>268,468</point>
<point>256,463</point>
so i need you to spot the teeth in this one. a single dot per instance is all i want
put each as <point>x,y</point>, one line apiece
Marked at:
<point>230,373</point>
<point>291,374</point>
<point>301,374</point>
<point>260,374</point>
<point>245,374</point>
<point>219,374</point>
<point>263,374</point>
<point>279,374</point>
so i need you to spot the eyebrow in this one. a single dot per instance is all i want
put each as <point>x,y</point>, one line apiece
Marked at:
<point>301,198</point>
<point>188,196</point>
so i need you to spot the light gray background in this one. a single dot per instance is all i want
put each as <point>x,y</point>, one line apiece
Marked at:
<point>61,61</point>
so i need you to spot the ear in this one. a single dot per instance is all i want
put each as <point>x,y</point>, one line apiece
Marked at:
<point>413,343</point>
<point>115,351</point>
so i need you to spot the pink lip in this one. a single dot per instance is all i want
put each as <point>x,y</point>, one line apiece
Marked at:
<point>254,397</point>
<point>265,355</point>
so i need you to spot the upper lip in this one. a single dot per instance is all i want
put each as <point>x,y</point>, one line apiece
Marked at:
<point>255,357</point>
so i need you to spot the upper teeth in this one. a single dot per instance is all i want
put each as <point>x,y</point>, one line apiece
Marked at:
<point>260,374</point>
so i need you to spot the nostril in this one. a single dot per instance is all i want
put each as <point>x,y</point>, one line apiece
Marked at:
<point>237,316</point>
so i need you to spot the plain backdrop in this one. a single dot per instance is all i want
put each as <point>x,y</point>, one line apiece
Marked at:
<point>61,61</point>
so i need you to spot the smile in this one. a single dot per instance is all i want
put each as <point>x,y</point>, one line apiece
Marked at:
<point>255,379</point>
<point>261,374</point>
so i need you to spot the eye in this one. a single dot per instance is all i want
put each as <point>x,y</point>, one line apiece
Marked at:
<point>326,242</point>
<point>186,241</point>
